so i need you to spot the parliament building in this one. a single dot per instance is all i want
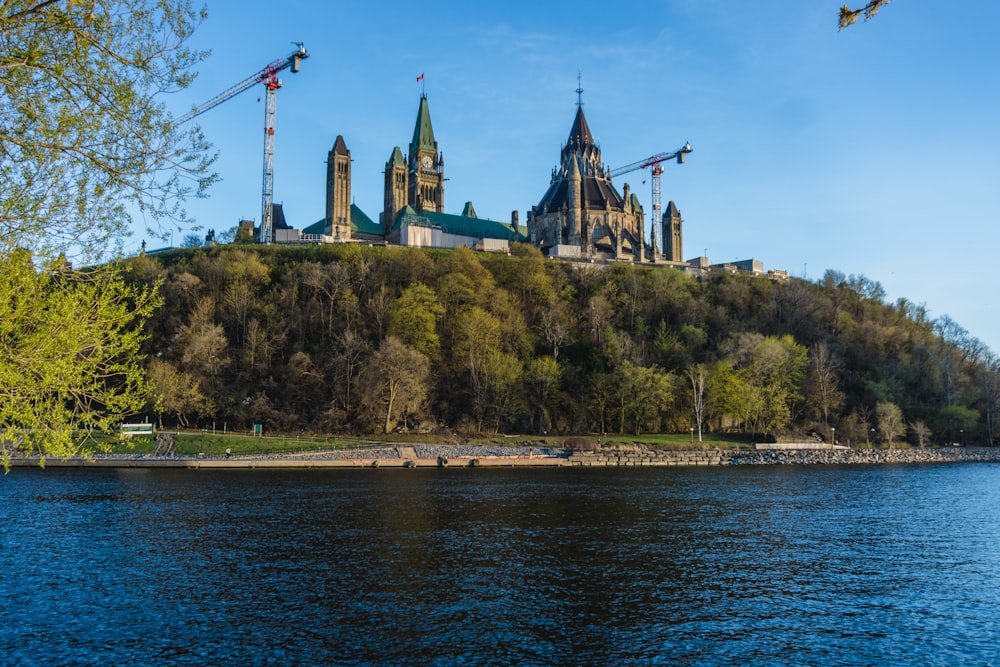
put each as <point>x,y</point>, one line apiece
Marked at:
<point>582,215</point>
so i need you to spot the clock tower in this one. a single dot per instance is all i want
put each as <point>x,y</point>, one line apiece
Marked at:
<point>425,166</point>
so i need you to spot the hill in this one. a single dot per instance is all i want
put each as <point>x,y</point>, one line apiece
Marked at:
<point>357,339</point>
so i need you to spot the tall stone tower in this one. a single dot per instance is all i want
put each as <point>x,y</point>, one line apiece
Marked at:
<point>395,191</point>
<point>673,248</point>
<point>338,191</point>
<point>426,167</point>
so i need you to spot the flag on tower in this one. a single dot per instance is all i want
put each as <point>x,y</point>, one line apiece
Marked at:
<point>421,77</point>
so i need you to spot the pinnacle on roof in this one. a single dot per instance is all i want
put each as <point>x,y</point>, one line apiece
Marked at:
<point>423,133</point>
<point>339,147</point>
<point>574,169</point>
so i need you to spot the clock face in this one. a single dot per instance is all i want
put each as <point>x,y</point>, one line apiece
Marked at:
<point>426,162</point>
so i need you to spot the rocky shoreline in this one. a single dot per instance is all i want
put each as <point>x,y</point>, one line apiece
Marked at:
<point>868,456</point>
<point>525,456</point>
<point>640,456</point>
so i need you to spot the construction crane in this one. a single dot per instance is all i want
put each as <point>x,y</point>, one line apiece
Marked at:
<point>656,163</point>
<point>269,77</point>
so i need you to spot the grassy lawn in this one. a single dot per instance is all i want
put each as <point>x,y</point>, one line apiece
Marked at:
<point>214,444</point>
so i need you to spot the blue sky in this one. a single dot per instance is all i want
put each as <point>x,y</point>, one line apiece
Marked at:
<point>875,150</point>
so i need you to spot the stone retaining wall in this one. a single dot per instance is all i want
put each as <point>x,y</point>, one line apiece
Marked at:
<point>650,457</point>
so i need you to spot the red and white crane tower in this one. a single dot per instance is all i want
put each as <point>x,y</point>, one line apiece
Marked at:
<point>269,77</point>
<point>656,163</point>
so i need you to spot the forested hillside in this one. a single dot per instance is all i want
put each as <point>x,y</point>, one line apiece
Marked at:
<point>358,339</point>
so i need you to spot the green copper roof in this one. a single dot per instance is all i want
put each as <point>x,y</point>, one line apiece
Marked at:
<point>396,159</point>
<point>360,224</point>
<point>480,228</point>
<point>636,206</point>
<point>423,133</point>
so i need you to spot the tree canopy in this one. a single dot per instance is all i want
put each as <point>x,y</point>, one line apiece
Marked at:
<point>87,147</point>
<point>355,339</point>
<point>68,354</point>
<point>86,144</point>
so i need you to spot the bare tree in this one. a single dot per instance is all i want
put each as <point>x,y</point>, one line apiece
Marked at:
<point>823,382</point>
<point>556,324</point>
<point>397,381</point>
<point>921,433</point>
<point>698,375</point>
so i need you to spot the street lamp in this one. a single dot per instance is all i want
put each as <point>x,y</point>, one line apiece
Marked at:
<point>833,435</point>
<point>691,430</point>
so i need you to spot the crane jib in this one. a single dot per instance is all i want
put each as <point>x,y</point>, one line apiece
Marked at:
<point>269,77</point>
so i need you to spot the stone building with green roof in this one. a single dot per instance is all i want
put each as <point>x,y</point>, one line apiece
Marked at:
<point>413,202</point>
<point>413,206</point>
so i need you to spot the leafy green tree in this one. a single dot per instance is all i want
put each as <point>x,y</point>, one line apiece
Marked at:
<point>501,376</point>
<point>85,138</point>
<point>643,394</point>
<point>413,318</point>
<point>889,420</point>
<point>956,421</point>
<point>764,384</point>
<point>175,392</point>
<point>478,338</point>
<point>69,354</point>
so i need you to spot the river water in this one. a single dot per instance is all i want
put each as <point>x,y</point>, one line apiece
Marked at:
<point>770,565</point>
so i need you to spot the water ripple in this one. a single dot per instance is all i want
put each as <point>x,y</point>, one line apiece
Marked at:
<point>748,566</point>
